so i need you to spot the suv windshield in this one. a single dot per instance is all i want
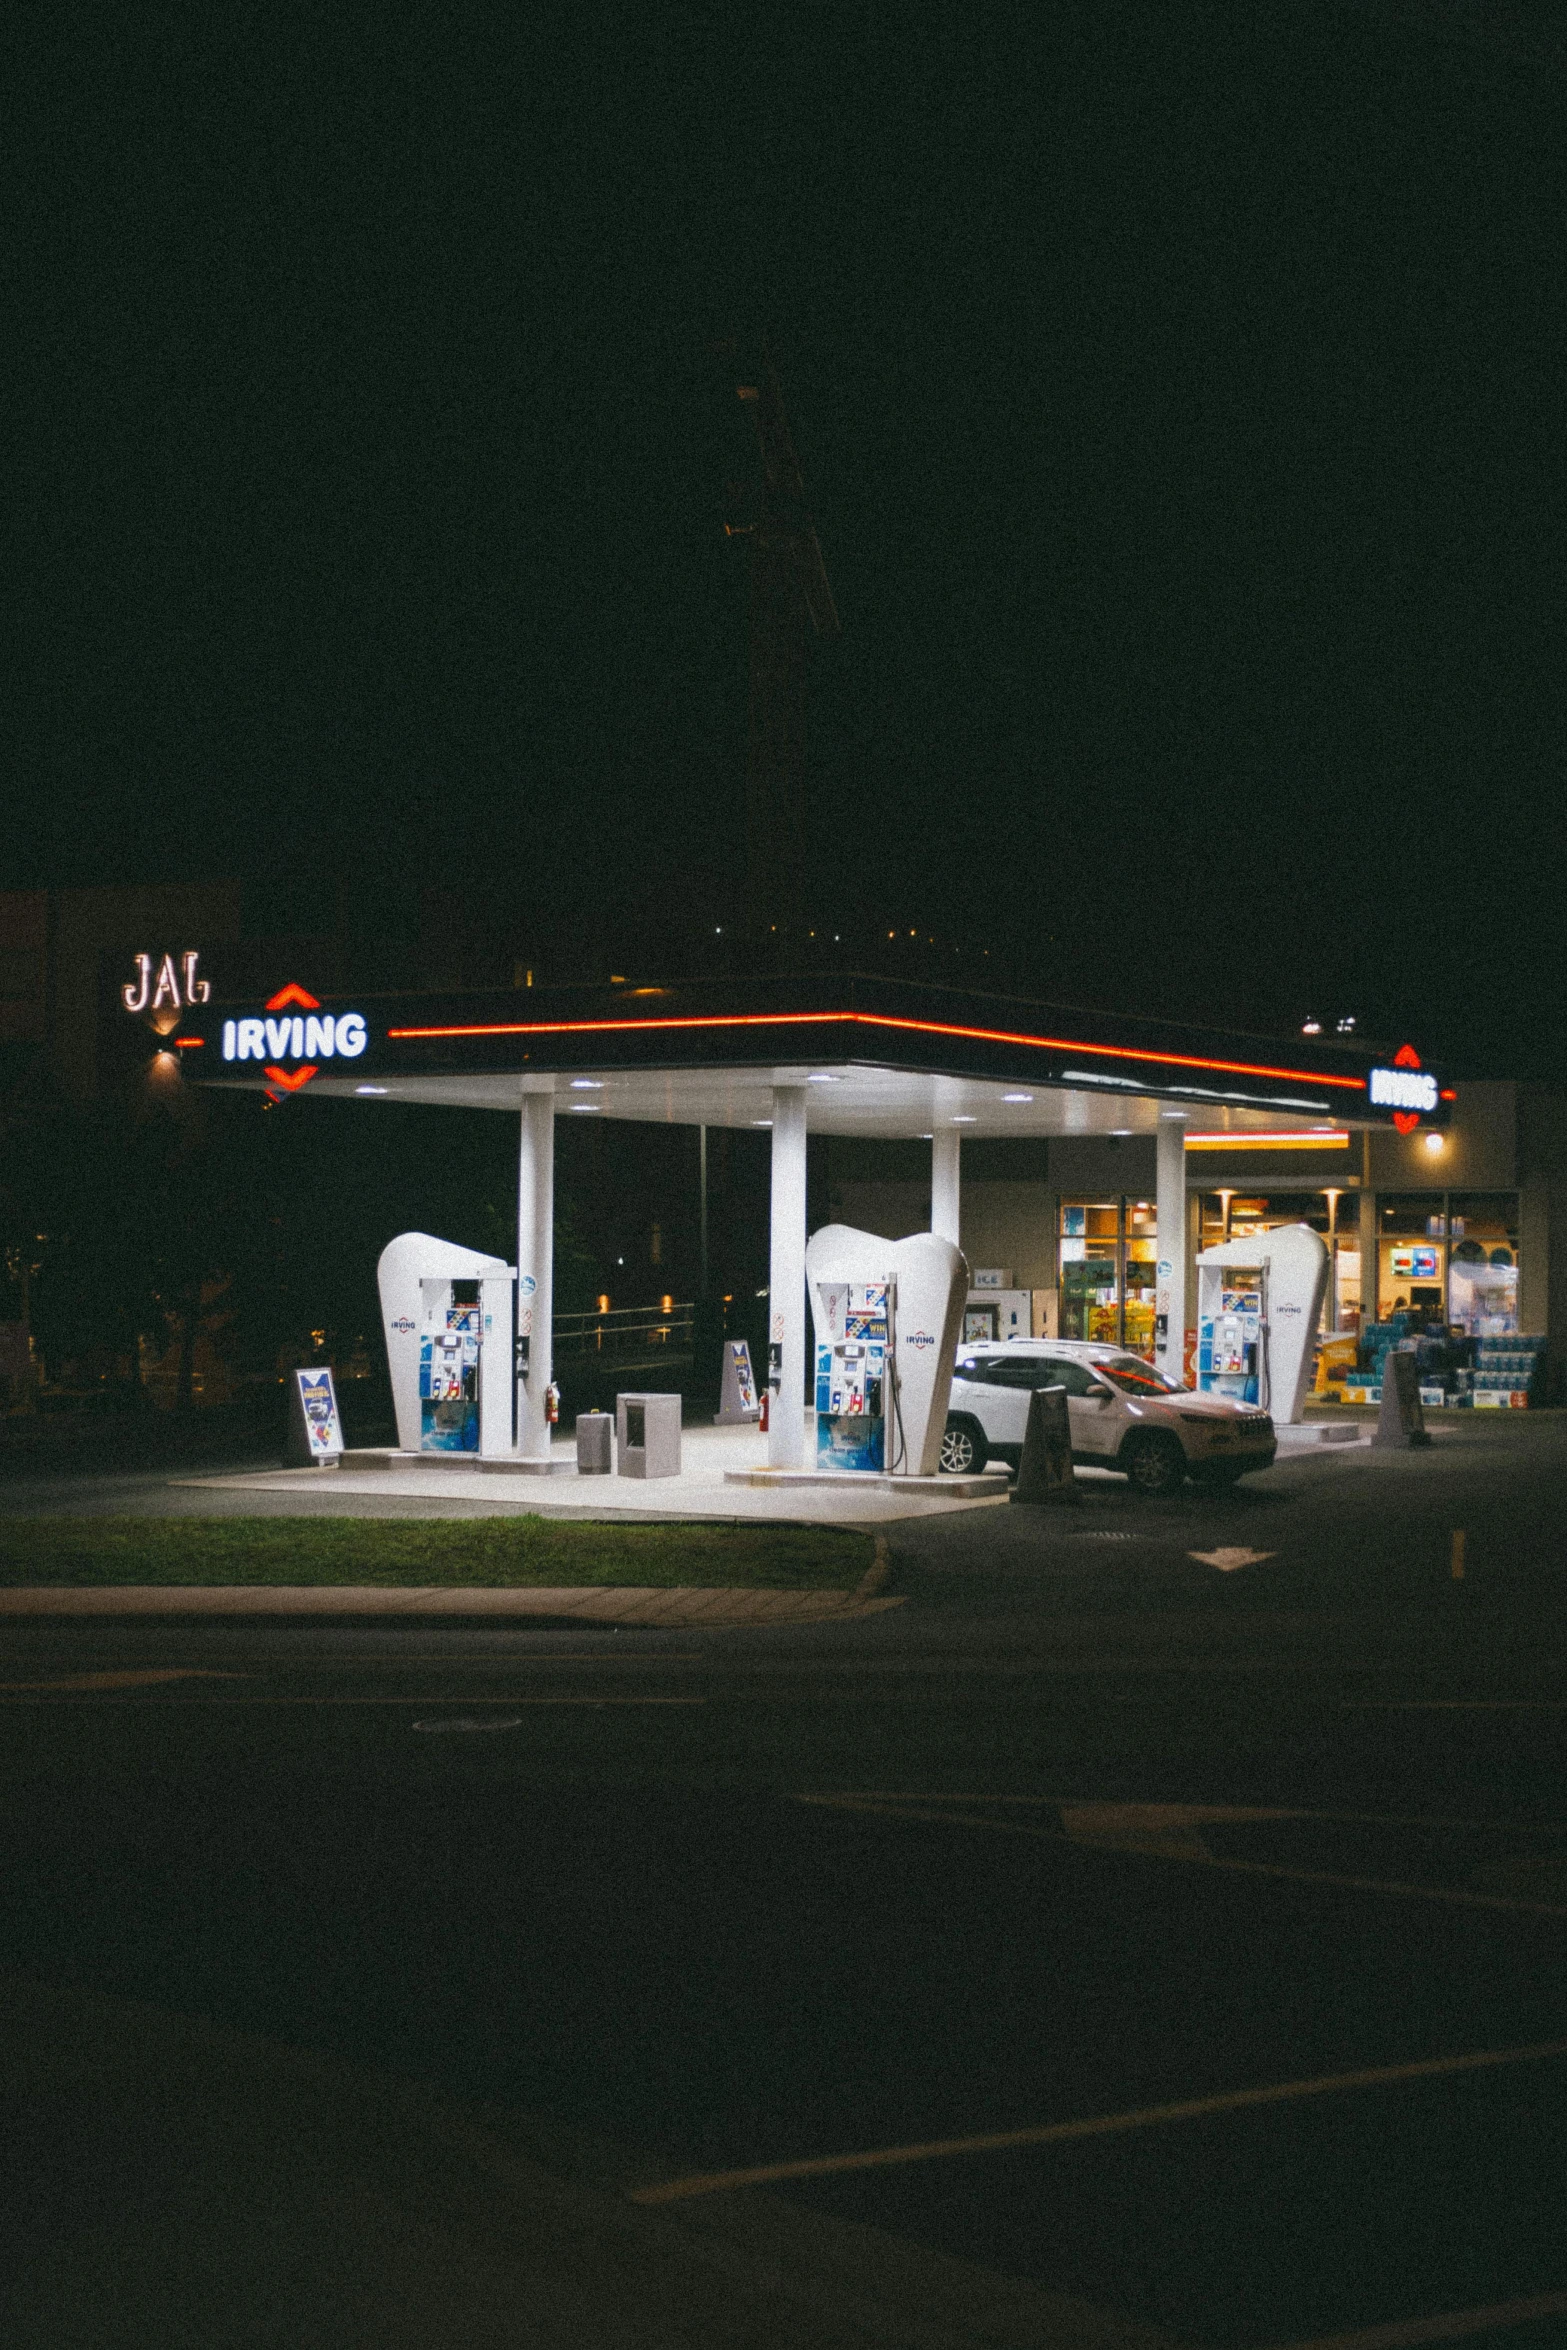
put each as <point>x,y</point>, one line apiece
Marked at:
<point>1135,1377</point>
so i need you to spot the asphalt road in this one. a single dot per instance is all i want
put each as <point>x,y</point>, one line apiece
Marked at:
<point>1087,1830</point>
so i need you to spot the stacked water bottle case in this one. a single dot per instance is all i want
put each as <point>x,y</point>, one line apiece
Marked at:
<point>1454,1370</point>
<point>1508,1373</point>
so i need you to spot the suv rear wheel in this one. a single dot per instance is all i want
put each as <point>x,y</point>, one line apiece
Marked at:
<point>1155,1464</point>
<point>964,1451</point>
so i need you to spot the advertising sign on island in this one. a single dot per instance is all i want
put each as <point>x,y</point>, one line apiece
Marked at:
<point>316,1432</point>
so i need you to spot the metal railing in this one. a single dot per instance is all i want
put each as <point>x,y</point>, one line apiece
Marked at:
<point>625,1335</point>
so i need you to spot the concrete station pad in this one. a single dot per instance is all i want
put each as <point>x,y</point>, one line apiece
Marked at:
<point>1314,1435</point>
<point>723,1475</point>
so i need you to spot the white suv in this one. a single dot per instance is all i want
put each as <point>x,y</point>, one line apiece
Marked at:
<point>1124,1415</point>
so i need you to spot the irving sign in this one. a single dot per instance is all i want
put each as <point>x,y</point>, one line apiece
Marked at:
<point>1403,1089</point>
<point>318,1037</point>
<point>306,1037</point>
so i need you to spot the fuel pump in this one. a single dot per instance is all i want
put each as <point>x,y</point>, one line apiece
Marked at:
<point>852,1373</point>
<point>465,1344</point>
<point>1232,1331</point>
<point>449,1367</point>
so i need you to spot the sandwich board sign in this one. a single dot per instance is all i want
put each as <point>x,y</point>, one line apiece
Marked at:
<point>738,1406</point>
<point>315,1433</point>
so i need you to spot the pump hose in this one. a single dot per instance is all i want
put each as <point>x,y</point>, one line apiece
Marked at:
<point>894,1386</point>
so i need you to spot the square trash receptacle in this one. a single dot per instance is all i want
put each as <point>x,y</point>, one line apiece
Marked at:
<point>594,1436</point>
<point>647,1435</point>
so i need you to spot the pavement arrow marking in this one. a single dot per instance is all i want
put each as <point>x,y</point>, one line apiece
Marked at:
<point>1228,1560</point>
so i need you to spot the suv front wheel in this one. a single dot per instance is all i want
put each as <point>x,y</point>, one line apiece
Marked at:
<point>1155,1464</point>
<point>964,1451</point>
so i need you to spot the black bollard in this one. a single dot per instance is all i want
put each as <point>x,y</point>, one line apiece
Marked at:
<point>1045,1471</point>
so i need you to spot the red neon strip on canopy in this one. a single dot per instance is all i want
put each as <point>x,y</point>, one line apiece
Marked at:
<point>1294,1140</point>
<point>1117,1052</point>
<point>183,1041</point>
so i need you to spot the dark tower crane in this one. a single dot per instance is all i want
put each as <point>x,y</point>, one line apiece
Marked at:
<point>791,606</point>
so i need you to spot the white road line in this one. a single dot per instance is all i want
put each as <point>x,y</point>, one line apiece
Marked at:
<point>1155,1845</point>
<point>1097,2125</point>
<point>1452,1705</point>
<point>147,1705</point>
<point>1406,2333</point>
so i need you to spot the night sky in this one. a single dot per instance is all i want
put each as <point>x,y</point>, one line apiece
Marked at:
<point>1179,392</point>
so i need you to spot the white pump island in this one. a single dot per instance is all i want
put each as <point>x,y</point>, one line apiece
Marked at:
<point>887,1315</point>
<point>1258,1305</point>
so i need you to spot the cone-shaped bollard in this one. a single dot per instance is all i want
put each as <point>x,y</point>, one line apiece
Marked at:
<point>1400,1421</point>
<point>1045,1471</point>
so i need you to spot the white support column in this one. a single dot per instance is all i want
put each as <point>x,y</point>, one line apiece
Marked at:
<point>1369,1268</point>
<point>946,1186</point>
<point>1170,1280</point>
<point>535,1263</point>
<point>786,1282</point>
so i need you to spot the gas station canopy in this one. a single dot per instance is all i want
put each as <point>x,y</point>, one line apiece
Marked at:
<point>879,1058</point>
<point>830,1055</point>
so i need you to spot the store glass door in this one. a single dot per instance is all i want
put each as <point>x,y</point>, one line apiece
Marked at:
<point>1108,1262</point>
<point>1091,1269</point>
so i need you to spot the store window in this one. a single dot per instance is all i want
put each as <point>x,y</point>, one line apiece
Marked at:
<point>1450,1258</point>
<point>1109,1252</point>
<point>1482,1262</point>
<point>1412,1256</point>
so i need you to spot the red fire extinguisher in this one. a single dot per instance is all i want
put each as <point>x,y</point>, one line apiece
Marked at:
<point>762,1422</point>
<point>552,1404</point>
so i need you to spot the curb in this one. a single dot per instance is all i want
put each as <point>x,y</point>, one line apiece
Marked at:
<point>686,1605</point>
<point>877,1575</point>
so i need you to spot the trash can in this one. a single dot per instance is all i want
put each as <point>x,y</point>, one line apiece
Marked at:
<point>647,1435</point>
<point>593,1444</point>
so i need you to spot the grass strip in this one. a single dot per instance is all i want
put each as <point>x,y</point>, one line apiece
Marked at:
<point>492,1551</point>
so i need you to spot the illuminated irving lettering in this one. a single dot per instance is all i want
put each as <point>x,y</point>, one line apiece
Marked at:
<point>327,1037</point>
<point>1403,1089</point>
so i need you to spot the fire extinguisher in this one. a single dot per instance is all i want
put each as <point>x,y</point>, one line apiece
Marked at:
<point>552,1405</point>
<point>762,1422</point>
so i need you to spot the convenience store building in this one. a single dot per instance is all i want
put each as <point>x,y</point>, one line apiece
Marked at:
<point>1452,1222</point>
